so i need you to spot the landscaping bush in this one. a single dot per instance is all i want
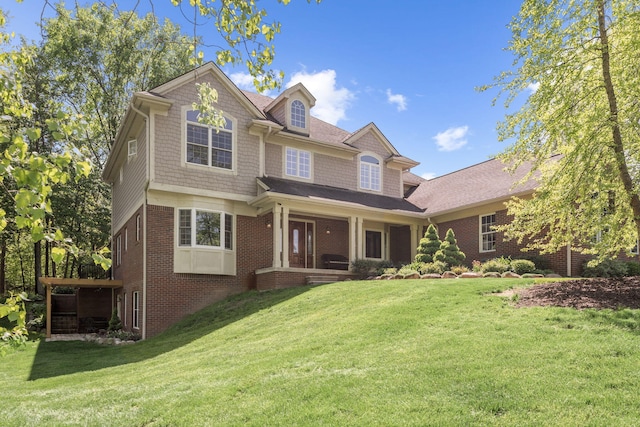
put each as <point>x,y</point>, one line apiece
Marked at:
<point>496,265</point>
<point>114,323</point>
<point>436,267</point>
<point>449,252</point>
<point>459,269</point>
<point>429,245</point>
<point>633,268</point>
<point>369,267</point>
<point>522,266</point>
<point>605,268</point>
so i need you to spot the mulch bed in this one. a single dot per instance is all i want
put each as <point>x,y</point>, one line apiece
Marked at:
<point>597,293</point>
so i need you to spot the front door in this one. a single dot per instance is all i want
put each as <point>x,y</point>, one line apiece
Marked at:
<point>300,244</point>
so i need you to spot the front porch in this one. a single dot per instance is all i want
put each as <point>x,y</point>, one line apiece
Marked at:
<point>282,278</point>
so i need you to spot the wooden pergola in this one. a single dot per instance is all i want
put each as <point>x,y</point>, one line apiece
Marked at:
<point>52,282</point>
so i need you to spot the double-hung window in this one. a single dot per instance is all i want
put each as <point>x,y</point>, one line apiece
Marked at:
<point>207,145</point>
<point>204,228</point>
<point>298,163</point>
<point>487,233</point>
<point>369,173</point>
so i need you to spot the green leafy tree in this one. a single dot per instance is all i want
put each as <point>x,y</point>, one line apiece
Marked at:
<point>15,333</point>
<point>577,81</point>
<point>449,251</point>
<point>429,245</point>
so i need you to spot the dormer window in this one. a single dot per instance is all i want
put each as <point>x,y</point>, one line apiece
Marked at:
<point>369,173</point>
<point>298,115</point>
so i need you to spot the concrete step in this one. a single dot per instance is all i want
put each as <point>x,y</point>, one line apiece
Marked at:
<point>321,280</point>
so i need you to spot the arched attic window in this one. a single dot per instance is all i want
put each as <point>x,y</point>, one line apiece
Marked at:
<point>298,114</point>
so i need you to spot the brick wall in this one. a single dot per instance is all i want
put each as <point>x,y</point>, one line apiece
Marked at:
<point>171,296</point>
<point>467,231</point>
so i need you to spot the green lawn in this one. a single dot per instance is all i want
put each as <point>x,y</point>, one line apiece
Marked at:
<point>414,352</point>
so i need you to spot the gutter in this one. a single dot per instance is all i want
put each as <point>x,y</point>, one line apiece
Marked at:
<point>144,221</point>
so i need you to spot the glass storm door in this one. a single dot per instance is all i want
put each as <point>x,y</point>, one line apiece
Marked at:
<point>300,244</point>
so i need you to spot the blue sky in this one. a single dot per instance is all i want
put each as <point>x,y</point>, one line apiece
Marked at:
<point>409,66</point>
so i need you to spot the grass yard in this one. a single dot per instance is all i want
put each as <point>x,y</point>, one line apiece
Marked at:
<point>414,352</point>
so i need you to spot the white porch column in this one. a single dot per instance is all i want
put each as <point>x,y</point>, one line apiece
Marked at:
<point>285,237</point>
<point>415,229</point>
<point>353,239</point>
<point>277,240</point>
<point>360,238</point>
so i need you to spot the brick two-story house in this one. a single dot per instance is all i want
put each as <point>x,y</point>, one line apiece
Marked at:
<point>200,214</point>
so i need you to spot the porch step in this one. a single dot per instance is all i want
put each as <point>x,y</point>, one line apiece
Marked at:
<point>321,280</point>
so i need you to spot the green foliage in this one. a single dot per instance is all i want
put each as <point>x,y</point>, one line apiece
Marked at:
<point>459,269</point>
<point>496,265</point>
<point>429,245</point>
<point>575,78</point>
<point>604,268</point>
<point>633,268</point>
<point>15,333</point>
<point>436,267</point>
<point>114,323</point>
<point>449,252</point>
<point>522,266</point>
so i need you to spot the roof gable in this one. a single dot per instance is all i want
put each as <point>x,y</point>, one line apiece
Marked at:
<point>372,129</point>
<point>196,75</point>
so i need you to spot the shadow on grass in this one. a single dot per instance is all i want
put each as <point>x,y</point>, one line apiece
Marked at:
<point>58,358</point>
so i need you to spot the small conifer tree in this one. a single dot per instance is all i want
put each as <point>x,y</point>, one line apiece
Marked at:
<point>449,251</point>
<point>114,323</point>
<point>429,245</point>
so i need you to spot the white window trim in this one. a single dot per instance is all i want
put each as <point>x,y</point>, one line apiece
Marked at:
<point>223,237</point>
<point>481,234</point>
<point>138,228</point>
<point>124,309</point>
<point>297,176</point>
<point>132,149</point>
<point>118,249</point>
<point>126,239</point>
<point>135,310</point>
<point>234,145</point>
<point>379,166</point>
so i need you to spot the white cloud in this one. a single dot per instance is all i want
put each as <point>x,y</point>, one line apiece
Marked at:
<point>331,101</point>
<point>452,138</point>
<point>399,100</point>
<point>533,87</point>
<point>428,175</point>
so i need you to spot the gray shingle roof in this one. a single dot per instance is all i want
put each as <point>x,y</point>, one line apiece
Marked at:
<point>472,186</point>
<point>303,189</point>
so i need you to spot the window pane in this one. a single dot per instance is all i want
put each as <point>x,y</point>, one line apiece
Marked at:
<point>304,164</point>
<point>375,178</point>
<point>364,176</point>
<point>221,159</point>
<point>228,231</point>
<point>298,114</point>
<point>185,227</point>
<point>373,244</point>
<point>197,154</point>
<point>292,162</point>
<point>207,228</point>
<point>198,135</point>
<point>222,140</point>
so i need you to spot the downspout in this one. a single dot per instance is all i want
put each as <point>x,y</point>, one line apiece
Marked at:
<point>144,221</point>
<point>569,261</point>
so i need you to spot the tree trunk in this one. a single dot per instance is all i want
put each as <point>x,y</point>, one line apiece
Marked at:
<point>618,145</point>
<point>37,266</point>
<point>3,261</point>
